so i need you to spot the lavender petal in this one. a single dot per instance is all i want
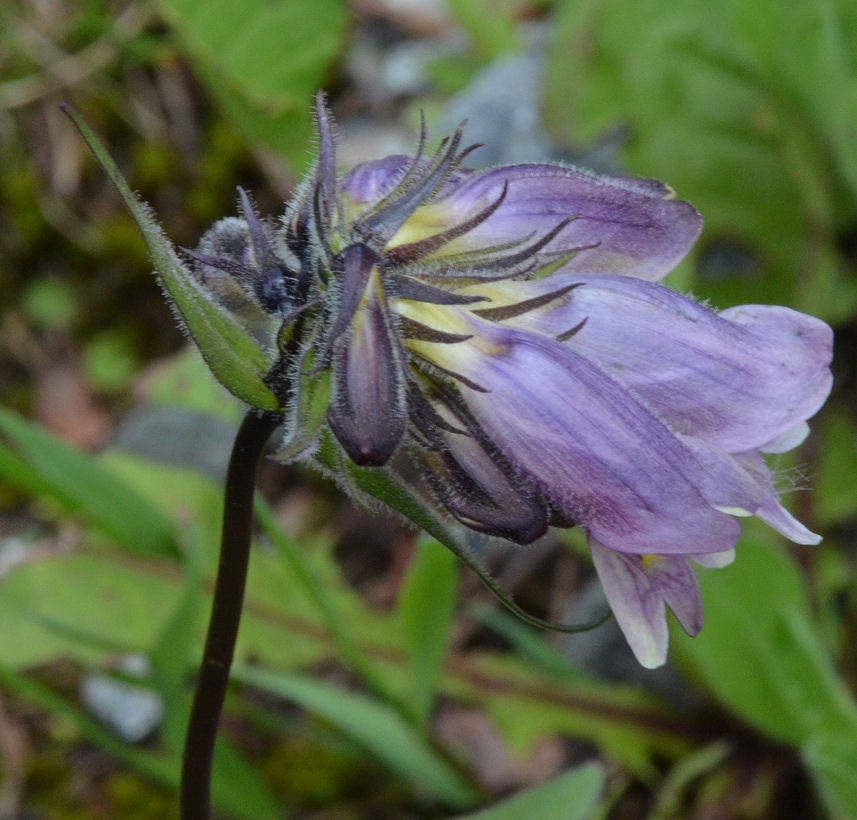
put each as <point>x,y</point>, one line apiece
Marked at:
<point>741,378</point>
<point>622,225</point>
<point>596,453</point>
<point>639,588</point>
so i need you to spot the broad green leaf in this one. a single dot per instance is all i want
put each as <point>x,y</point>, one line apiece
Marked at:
<point>745,109</point>
<point>263,60</point>
<point>758,653</point>
<point>568,796</point>
<point>124,602</point>
<point>835,490</point>
<point>289,133</point>
<point>831,757</point>
<point>237,362</point>
<point>187,496</point>
<point>81,486</point>
<point>490,25</point>
<point>426,605</point>
<point>372,725</point>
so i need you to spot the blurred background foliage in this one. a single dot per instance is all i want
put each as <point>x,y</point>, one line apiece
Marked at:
<point>375,678</point>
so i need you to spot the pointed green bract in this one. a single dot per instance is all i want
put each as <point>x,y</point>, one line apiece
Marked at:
<point>308,413</point>
<point>237,362</point>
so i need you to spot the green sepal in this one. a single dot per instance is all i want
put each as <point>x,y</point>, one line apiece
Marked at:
<point>236,361</point>
<point>306,416</point>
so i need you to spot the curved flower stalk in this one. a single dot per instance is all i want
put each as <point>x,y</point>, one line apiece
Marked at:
<point>506,330</point>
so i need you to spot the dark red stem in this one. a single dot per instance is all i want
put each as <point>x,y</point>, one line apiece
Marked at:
<point>225,614</point>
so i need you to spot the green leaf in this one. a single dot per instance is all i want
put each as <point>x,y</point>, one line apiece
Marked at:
<point>323,596</point>
<point>835,493</point>
<point>123,602</point>
<point>426,605</point>
<point>175,653</point>
<point>530,644</point>
<point>831,757</point>
<point>490,24</point>
<point>790,690</point>
<point>745,109</point>
<point>237,362</point>
<point>569,796</point>
<point>263,60</point>
<point>372,725</point>
<point>237,786</point>
<point>42,463</point>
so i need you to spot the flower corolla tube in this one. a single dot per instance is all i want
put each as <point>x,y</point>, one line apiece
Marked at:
<point>505,329</point>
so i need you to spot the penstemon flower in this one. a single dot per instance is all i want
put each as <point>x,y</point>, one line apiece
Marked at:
<point>506,330</point>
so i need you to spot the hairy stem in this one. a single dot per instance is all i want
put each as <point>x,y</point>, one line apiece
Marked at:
<point>225,613</point>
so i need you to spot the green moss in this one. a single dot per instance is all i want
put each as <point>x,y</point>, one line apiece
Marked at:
<point>131,798</point>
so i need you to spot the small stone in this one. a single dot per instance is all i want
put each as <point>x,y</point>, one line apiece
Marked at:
<point>133,711</point>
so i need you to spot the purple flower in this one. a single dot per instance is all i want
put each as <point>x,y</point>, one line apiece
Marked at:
<point>506,330</point>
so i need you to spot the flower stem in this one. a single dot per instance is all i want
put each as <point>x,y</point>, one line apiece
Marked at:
<point>225,613</point>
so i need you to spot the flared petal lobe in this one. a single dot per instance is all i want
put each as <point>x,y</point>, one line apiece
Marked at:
<point>741,379</point>
<point>638,589</point>
<point>597,454</point>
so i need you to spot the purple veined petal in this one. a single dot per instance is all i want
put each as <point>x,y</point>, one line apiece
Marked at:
<point>723,480</point>
<point>638,589</point>
<point>367,411</point>
<point>623,226</point>
<point>597,454</point>
<point>740,379</point>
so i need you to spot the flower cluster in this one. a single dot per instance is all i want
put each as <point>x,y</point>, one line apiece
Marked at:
<point>506,329</point>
